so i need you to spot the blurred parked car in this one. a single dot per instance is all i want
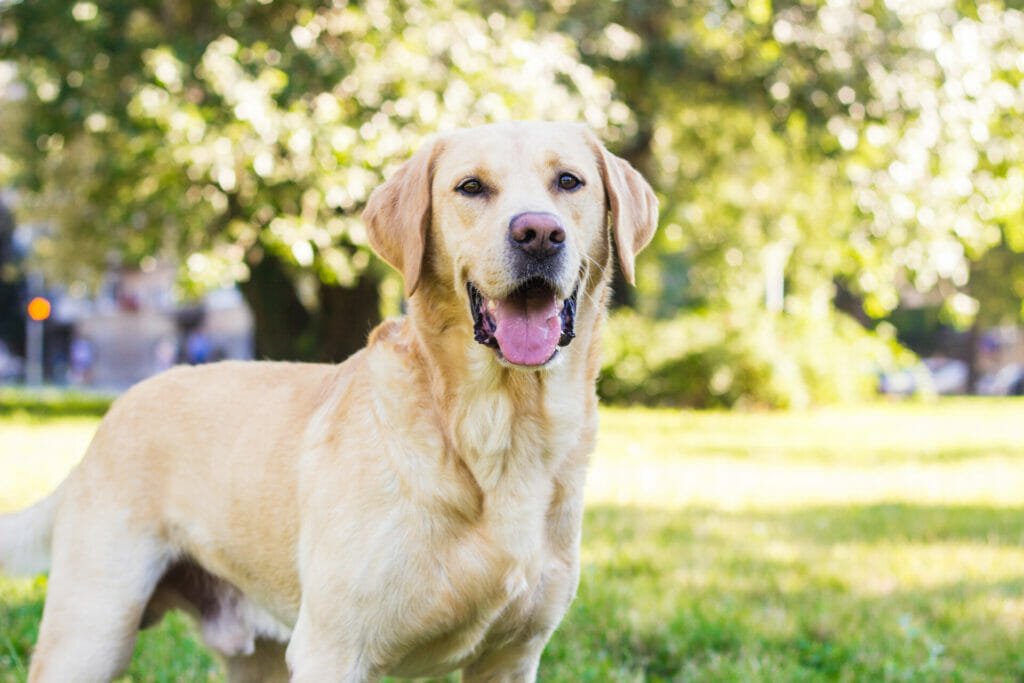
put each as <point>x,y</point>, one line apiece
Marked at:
<point>1006,381</point>
<point>944,376</point>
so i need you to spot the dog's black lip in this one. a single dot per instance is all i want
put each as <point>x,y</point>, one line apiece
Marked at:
<point>568,316</point>
<point>484,325</point>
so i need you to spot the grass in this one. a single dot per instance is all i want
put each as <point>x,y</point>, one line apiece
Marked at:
<point>53,401</point>
<point>882,543</point>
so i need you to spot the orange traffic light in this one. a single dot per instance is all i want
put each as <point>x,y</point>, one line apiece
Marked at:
<point>39,309</point>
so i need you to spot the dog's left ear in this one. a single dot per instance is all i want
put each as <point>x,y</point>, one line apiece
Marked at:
<point>397,215</point>
<point>633,207</point>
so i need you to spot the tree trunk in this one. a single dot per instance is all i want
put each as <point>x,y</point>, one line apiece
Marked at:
<point>347,314</point>
<point>282,323</point>
<point>286,330</point>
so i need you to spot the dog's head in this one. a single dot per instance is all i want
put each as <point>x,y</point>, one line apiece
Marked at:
<point>513,220</point>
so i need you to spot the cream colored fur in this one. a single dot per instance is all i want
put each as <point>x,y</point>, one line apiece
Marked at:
<point>413,511</point>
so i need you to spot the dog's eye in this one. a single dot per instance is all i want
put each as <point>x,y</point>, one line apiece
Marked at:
<point>567,181</point>
<point>470,186</point>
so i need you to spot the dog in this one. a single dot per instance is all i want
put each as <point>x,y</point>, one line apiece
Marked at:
<point>413,511</point>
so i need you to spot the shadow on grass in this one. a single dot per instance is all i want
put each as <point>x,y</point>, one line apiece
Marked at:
<point>848,523</point>
<point>902,522</point>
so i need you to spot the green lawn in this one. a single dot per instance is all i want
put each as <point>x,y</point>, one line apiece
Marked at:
<point>867,544</point>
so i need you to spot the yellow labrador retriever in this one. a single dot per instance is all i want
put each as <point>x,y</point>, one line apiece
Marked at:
<point>413,511</point>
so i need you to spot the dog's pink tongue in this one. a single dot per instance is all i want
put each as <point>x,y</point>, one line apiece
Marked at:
<point>528,328</point>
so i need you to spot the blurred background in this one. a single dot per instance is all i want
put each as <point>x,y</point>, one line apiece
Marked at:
<point>840,182</point>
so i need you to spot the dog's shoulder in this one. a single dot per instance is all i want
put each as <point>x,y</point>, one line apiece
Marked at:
<point>391,332</point>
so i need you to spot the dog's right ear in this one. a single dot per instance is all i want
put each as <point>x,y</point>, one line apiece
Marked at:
<point>397,215</point>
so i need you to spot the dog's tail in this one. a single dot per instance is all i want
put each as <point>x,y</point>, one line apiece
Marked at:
<point>25,538</point>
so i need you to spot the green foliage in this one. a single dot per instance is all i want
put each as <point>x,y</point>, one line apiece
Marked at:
<point>881,143</point>
<point>725,359</point>
<point>241,140</point>
<point>215,132</point>
<point>873,145</point>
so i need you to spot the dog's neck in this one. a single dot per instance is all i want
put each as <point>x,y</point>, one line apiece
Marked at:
<point>507,418</point>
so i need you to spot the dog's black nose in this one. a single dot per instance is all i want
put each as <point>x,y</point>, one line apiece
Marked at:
<point>539,234</point>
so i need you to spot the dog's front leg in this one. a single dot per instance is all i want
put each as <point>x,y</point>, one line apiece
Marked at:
<point>319,653</point>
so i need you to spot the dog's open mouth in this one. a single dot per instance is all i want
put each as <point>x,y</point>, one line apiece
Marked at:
<point>527,326</point>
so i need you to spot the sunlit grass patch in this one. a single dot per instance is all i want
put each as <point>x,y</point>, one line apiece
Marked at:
<point>891,433</point>
<point>36,453</point>
<point>956,451</point>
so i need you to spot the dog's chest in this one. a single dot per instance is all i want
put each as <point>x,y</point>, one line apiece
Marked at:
<point>481,595</point>
<point>489,582</point>
<point>483,472</point>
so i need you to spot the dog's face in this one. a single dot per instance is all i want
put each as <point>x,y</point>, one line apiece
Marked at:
<point>520,210</point>
<point>511,218</point>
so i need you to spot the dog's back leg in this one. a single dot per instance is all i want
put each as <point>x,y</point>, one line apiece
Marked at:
<point>102,574</point>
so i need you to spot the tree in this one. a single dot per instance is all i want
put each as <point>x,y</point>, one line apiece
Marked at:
<point>242,139</point>
<point>857,149</point>
<point>848,151</point>
<point>880,145</point>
